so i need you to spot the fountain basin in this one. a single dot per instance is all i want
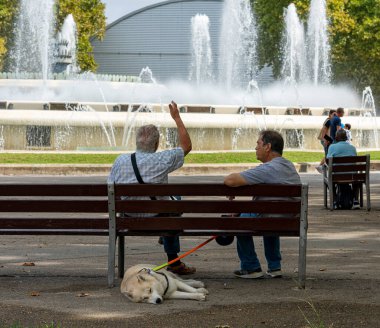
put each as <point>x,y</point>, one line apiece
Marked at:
<point>70,130</point>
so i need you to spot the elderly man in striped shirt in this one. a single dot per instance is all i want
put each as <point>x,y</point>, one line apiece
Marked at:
<point>154,167</point>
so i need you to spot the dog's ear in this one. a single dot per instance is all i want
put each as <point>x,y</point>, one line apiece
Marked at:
<point>140,278</point>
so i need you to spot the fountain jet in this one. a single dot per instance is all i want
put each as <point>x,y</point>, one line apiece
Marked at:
<point>318,43</point>
<point>201,65</point>
<point>237,49</point>
<point>294,49</point>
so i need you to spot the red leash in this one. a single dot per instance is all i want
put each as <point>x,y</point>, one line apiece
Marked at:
<point>184,254</point>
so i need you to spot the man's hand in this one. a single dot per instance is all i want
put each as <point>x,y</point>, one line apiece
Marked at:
<point>174,112</point>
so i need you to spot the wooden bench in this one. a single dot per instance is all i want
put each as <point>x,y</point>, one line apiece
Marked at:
<point>58,209</point>
<point>350,169</point>
<point>202,205</point>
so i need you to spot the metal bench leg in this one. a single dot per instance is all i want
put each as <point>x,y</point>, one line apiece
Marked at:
<point>121,256</point>
<point>367,189</point>
<point>111,235</point>
<point>361,195</point>
<point>303,238</point>
<point>331,194</point>
<point>111,257</point>
<point>302,261</point>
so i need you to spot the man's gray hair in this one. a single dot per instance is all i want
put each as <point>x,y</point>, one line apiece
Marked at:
<point>147,138</point>
<point>341,135</point>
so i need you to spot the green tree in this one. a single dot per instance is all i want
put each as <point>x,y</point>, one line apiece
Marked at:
<point>91,22</point>
<point>8,12</point>
<point>355,35</point>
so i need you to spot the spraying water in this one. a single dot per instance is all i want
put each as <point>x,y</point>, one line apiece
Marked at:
<point>237,49</point>
<point>33,46</point>
<point>201,65</point>
<point>294,49</point>
<point>318,43</point>
<point>66,45</point>
<point>146,76</point>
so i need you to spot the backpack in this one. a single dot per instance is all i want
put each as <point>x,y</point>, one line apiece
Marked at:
<point>344,196</point>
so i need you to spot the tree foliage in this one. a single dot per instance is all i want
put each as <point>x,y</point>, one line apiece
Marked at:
<point>89,16</point>
<point>8,12</point>
<point>355,34</point>
<point>91,22</point>
<point>354,38</point>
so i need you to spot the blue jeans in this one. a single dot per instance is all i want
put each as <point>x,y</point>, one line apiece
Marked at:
<point>171,245</point>
<point>247,254</point>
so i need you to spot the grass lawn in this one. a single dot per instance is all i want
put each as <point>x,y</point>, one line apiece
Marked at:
<point>192,158</point>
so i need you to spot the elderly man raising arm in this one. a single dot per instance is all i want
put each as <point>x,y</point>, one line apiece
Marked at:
<point>154,167</point>
<point>275,169</point>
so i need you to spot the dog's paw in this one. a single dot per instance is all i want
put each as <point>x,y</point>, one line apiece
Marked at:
<point>202,290</point>
<point>201,297</point>
<point>198,284</point>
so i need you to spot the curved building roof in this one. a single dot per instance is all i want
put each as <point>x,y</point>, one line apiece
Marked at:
<point>158,36</point>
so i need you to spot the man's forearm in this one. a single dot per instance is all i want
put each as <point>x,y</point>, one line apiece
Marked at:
<point>183,136</point>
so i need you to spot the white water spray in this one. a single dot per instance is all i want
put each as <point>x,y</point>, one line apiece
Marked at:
<point>201,64</point>
<point>318,43</point>
<point>294,50</point>
<point>67,44</point>
<point>237,49</point>
<point>33,46</point>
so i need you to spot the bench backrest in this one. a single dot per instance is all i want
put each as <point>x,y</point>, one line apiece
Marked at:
<point>348,169</point>
<point>84,208</point>
<point>288,201</point>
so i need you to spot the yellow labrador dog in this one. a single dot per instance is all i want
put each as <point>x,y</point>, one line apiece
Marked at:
<point>143,285</point>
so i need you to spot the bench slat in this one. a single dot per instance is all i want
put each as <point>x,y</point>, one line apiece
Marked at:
<point>71,232</point>
<point>348,159</point>
<point>211,233</point>
<point>208,206</point>
<point>350,177</point>
<point>207,223</point>
<point>64,206</point>
<point>52,223</point>
<point>53,190</point>
<point>205,189</point>
<point>349,168</point>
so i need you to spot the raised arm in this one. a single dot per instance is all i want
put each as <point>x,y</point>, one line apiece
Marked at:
<point>183,136</point>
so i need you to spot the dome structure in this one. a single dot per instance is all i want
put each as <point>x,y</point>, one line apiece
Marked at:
<point>158,36</point>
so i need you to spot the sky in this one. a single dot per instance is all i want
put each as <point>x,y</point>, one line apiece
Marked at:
<point>118,8</point>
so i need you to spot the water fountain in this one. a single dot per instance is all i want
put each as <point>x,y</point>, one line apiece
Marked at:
<point>201,66</point>
<point>65,48</point>
<point>91,111</point>
<point>237,45</point>
<point>33,50</point>
<point>294,50</point>
<point>318,43</point>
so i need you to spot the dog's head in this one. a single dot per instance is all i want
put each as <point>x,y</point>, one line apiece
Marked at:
<point>143,287</point>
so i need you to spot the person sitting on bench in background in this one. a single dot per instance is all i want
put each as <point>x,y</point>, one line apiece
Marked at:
<point>154,167</point>
<point>342,148</point>
<point>275,169</point>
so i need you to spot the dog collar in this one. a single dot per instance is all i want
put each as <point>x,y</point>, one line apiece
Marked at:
<point>167,282</point>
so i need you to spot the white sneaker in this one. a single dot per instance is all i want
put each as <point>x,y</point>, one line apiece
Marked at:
<point>319,168</point>
<point>274,273</point>
<point>355,205</point>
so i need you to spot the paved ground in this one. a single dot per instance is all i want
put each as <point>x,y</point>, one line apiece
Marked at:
<point>67,285</point>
